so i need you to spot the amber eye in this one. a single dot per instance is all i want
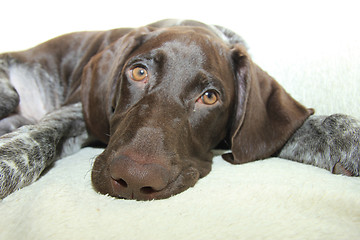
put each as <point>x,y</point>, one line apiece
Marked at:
<point>209,97</point>
<point>138,74</point>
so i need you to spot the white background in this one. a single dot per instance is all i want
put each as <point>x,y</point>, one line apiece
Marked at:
<point>24,23</point>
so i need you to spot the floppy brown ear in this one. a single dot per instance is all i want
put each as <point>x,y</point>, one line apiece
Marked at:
<point>99,79</point>
<point>265,114</point>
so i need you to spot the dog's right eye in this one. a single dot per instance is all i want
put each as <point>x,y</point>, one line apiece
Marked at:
<point>138,74</point>
<point>209,98</point>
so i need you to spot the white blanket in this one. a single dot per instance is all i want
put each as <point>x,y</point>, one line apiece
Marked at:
<point>316,60</point>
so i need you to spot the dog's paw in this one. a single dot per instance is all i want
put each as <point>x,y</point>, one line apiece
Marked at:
<point>9,98</point>
<point>10,178</point>
<point>21,160</point>
<point>329,142</point>
<point>344,142</point>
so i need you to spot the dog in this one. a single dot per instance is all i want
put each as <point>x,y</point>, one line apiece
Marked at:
<point>161,97</point>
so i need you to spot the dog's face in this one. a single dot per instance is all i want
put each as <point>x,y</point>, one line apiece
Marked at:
<point>162,99</point>
<point>170,106</point>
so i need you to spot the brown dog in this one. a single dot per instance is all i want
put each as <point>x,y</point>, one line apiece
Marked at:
<point>161,97</point>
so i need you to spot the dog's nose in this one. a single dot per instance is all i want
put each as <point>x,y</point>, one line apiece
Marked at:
<point>134,180</point>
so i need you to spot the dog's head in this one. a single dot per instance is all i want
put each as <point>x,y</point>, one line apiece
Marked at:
<point>162,99</point>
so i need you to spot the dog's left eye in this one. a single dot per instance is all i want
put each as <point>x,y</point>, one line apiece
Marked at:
<point>138,74</point>
<point>209,97</point>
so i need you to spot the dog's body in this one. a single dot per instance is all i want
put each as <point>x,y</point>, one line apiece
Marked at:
<point>161,97</point>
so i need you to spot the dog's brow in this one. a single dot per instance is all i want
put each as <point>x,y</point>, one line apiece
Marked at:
<point>201,82</point>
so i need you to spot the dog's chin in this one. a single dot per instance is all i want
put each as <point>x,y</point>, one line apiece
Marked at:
<point>104,184</point>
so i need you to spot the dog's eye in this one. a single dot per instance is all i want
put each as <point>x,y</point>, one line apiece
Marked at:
<point>209,97</point>
<point>138,74</point>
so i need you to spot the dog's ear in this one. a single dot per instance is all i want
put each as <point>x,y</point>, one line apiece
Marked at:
<point>265,115</point>
<point>99,79</point>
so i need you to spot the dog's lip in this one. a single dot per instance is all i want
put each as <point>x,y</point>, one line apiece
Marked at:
<point>172,188</point>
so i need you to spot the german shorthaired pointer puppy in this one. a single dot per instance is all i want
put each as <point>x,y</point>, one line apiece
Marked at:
<point>161,97</point>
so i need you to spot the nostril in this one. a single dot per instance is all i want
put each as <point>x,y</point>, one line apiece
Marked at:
<point>147,190</point>
<point>122,182</point>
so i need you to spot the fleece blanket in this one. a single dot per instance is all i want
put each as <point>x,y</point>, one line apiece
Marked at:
<point>317,62</point>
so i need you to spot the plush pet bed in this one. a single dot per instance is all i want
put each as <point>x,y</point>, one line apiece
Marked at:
<point>268,199</point>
